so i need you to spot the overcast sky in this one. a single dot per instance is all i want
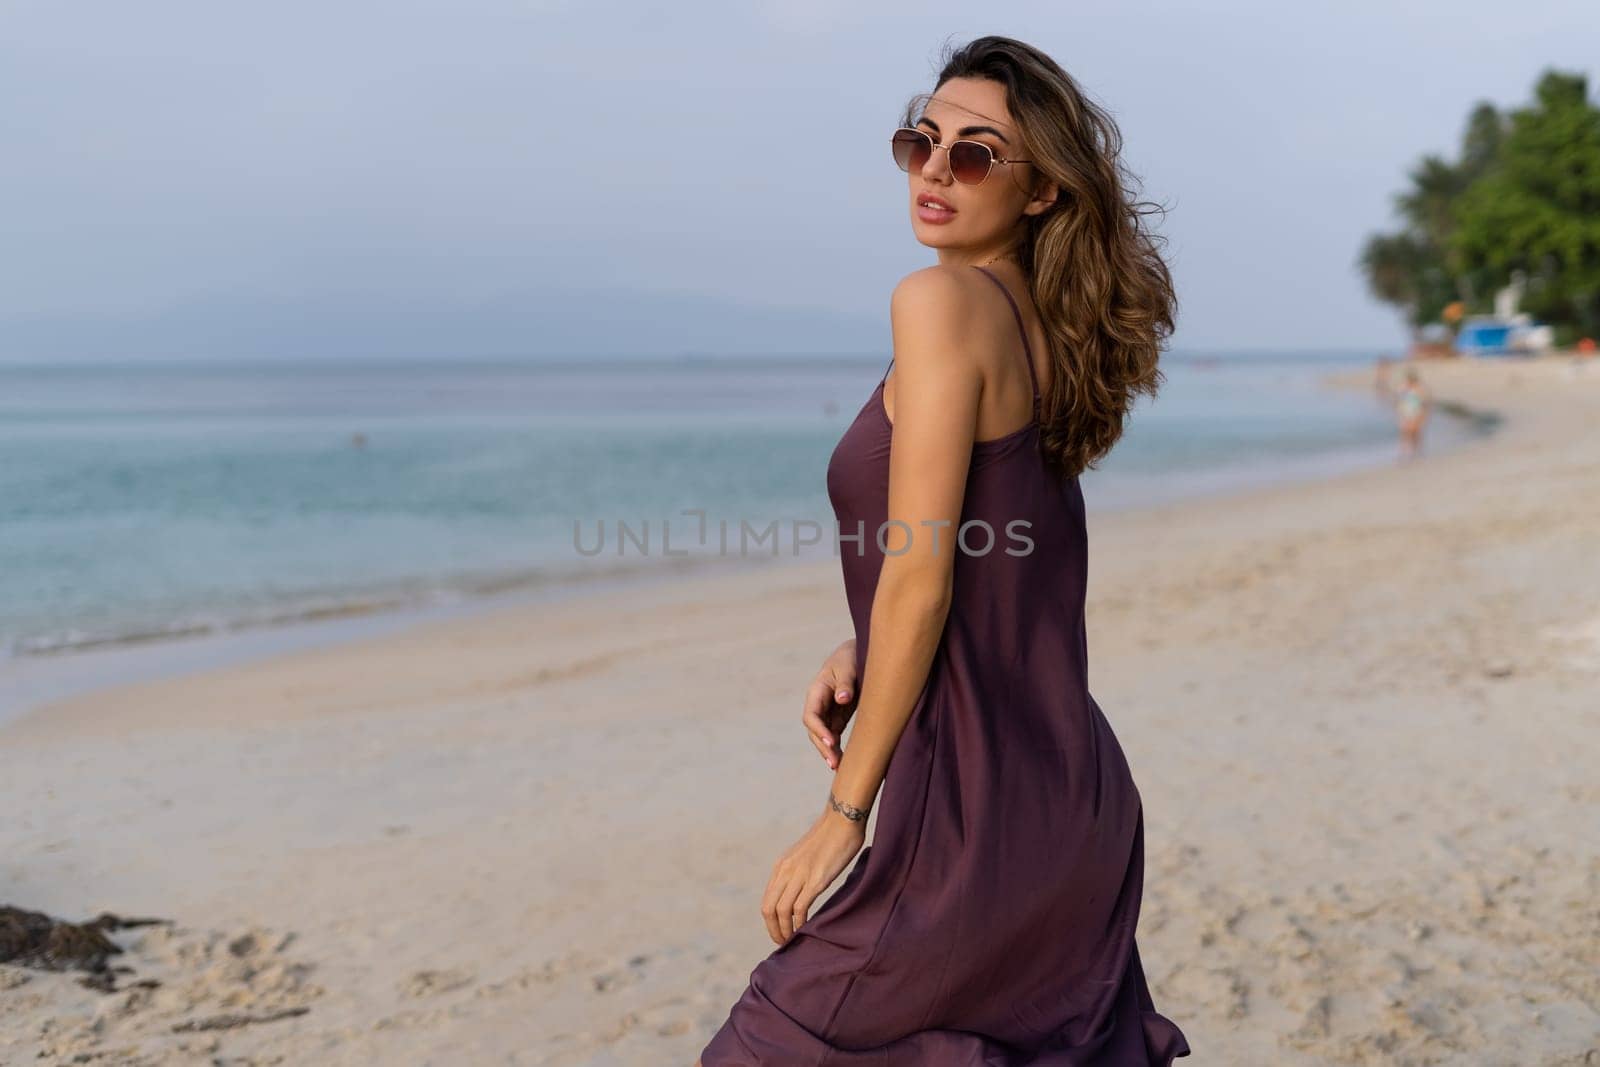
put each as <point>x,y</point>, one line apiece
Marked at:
<point>309,179</point>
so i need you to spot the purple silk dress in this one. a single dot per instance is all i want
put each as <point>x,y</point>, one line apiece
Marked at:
<point>990,923</point>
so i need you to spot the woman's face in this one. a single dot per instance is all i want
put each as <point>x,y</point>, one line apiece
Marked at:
<point>983,216</point>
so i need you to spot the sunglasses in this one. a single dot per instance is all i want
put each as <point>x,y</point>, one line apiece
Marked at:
<point>970,161</point>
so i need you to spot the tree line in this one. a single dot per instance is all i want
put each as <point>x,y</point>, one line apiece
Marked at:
<point>1523,196</point>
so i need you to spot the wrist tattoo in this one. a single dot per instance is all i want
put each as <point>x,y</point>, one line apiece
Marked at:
<point>849,811</point>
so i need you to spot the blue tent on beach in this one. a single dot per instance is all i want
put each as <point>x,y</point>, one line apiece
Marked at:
<point>1484,337</point>
<point>1497,335</point>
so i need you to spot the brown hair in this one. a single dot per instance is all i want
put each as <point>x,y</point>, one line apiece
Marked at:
<point>1102,289</point>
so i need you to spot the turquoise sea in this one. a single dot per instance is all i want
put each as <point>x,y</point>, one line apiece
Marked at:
<point>143,501</point>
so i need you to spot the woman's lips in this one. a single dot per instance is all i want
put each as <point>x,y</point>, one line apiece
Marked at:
<point>929,212</point>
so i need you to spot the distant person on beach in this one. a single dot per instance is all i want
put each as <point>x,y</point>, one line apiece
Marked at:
<point>1411,406</point>
<point>992,918</point>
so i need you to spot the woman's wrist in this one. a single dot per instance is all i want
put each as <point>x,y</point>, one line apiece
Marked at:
<point>853,812</point>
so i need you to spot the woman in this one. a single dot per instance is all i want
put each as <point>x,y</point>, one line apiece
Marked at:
<point>991,921</point>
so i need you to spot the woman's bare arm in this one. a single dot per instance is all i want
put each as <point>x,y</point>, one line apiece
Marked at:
<point>935,317</point>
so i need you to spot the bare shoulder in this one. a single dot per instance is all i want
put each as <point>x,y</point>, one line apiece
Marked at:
<point>951,310</point>
<point>937,291</point>
<point>936,317</point>
<point>940,308</point>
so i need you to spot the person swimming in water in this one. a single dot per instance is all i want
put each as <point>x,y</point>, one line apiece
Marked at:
<point>1411,405</point>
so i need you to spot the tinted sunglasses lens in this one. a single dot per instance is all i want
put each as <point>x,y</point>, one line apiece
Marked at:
<point>911,149</point>
<point>969,162</point>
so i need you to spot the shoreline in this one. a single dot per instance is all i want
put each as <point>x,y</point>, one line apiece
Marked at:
<point>1358,712</point>
<point>35,679</point>
<point>70,673</point>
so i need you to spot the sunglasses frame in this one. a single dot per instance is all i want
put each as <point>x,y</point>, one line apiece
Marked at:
<point>993,158</point>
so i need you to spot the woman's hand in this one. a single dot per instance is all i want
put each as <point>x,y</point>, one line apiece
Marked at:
<point>830,701</point>
<point>809,867</point>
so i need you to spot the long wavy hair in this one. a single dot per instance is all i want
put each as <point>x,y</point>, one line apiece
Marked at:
<point>1093,265</point>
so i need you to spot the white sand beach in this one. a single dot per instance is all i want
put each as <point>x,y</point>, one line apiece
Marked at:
<point>1363,715</point>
